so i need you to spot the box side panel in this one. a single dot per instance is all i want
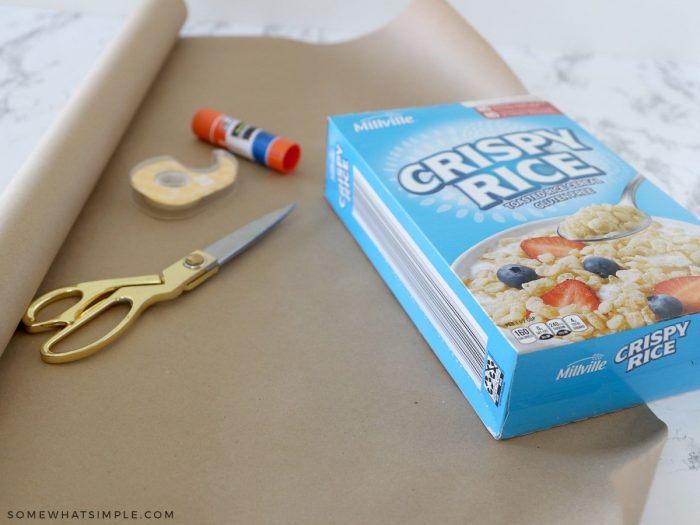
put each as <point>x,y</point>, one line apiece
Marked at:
<point>487,390</point>
<point>585,379</point>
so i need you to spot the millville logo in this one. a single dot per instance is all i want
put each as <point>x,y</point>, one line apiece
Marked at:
<point>587,365</point>
<point>387,120</point>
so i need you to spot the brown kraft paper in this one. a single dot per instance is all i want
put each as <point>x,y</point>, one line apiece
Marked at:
<point>291,387</point>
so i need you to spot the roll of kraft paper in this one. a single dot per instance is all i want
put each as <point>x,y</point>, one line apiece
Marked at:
<point>44,199</point>
<point>251,142</point>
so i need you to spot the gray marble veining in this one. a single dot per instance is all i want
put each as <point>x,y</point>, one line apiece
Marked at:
<point>44,56</point>
<point>645,110</point>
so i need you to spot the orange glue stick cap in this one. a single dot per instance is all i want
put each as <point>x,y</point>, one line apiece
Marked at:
<point>283,155</point>
<point>278,153</point>
<point>204,125</point>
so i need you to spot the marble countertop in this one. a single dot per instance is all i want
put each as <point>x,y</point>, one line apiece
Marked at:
<point>648,110</point>
<point>42,64</point>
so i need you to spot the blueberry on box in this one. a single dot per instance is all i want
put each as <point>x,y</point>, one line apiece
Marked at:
<point>601,266</point>
<point>515,275</point>
<point>665,306</point>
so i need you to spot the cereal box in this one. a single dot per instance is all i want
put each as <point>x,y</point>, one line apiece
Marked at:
<point>551,278</point>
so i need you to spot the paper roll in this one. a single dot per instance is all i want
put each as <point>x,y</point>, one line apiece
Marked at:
<point>40,205</point>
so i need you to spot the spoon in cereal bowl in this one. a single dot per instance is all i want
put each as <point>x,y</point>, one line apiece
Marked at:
<point>607,222</point>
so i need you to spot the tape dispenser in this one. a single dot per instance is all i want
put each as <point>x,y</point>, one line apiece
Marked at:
<point>167,189</point>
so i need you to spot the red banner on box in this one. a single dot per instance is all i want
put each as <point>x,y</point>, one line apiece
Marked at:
<point>518,109</point>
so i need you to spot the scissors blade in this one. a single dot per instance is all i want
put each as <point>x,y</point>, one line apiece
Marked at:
<point>240,240</point>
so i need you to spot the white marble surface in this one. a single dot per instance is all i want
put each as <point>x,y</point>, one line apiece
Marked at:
<point>647,110</point>
<point>44,56</point>
<point>647,28</point>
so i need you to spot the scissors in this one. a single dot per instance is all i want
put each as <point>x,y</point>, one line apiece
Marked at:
<point>96,297</point>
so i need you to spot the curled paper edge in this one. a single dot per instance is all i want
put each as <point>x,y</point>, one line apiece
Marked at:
<point>43,200</point>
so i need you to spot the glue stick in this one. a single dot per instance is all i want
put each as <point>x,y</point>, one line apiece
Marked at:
<point>270,150</point>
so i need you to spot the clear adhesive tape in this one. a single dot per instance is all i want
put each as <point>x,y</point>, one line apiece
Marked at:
<point>166,188</point>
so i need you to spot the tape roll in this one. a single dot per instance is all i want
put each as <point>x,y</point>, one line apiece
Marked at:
<point>165,186</point>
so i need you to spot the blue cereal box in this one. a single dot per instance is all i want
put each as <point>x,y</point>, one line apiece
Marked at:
<point>552,279</point>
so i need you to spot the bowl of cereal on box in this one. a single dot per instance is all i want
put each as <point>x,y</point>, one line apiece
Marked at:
<point>544,290</point>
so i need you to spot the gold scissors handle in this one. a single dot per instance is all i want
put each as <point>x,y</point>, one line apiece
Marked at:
<point>99,296</point>
<point>87,292</point>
